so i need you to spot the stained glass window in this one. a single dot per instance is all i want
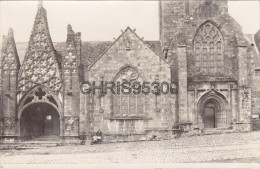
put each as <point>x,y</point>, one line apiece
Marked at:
<point>208,50</point>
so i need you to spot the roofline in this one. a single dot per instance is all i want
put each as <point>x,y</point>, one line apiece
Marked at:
<point>149,46</point>
<point>251,41</point>
<point>128,28</point>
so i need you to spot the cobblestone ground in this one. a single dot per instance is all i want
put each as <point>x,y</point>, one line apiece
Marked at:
<point>207,148</point>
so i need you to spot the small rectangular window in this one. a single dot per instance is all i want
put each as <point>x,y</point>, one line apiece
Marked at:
<point>48,117</point>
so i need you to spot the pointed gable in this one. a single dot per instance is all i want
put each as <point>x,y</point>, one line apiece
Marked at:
<point>128,41</point>
<point>41,63</point>
<point>72,60</point>
<point>10,59</point>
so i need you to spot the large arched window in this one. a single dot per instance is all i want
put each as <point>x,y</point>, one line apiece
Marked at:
<point>128,105</point>
<point>208,50</point>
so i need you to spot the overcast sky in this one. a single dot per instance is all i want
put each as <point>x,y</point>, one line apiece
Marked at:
<point>104,20</point>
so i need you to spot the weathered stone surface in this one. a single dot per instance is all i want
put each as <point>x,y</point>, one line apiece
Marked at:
<point>218,57</point>
<point>8,82</point>
<point>130,55</point>
<point>201,48</point>
<point>41,64</point>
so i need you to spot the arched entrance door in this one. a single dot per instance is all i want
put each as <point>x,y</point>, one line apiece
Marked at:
<point>210,115</point>
<point>212,110</point>
<point>40,119</point>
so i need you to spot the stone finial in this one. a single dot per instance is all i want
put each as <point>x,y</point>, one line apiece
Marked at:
<point>69,29</point>
<point>40,4</point>
<point>4,43</point>
<point>78,35</point>
<point>10,32</point>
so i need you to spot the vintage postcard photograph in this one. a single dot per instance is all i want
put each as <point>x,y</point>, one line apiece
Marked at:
<point>166,84</point>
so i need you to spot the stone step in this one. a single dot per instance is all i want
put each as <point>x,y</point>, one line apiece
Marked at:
<point>39,142</point>
<point>216,131</point>
<point>25,146</point>
<point>45,139</point>
<point>48,137</point>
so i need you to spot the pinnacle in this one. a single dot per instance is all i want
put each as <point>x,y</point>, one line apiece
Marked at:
<point>40,4</point>
<point>4,38</point>
<point>10,32</point>
<point>69,29</point>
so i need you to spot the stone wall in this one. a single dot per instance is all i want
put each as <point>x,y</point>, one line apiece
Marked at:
<point>71,82</point>
<point>256,100</point>
<point>130,51</point>
<point>233,84</point>
<point>187,17</point>
<point>200,92</point>
<point>256,82</point>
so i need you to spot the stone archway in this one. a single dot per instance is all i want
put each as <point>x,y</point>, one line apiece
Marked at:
<point>212,110</point>
<point>40,113</point>
<point>39,119</point>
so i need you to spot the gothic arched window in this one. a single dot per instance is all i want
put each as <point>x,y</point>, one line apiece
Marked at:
<point>128,105</point>
<point>208,50</point>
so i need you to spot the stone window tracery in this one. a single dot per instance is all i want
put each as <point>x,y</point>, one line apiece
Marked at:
<point>39,94</point>
<point>208,50</point>
<point>128,105</point>
<point>40,65</point>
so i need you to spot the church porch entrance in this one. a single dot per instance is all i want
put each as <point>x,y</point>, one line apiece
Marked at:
<point>40,119</point>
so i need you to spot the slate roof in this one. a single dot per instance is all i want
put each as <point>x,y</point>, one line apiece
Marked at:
<point>91,50</point>
<point>155,46</point>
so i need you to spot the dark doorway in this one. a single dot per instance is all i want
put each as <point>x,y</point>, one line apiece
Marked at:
<point>40,119</point>
<point>209,115</point>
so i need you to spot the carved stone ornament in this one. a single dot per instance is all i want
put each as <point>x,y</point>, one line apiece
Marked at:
<point>71,125</point>
<point>71,61</point>
<point>127,42</point>
<point>10,59</point>
<point>40,65</point>
<point>9,126</point>
<point>39,94</point>
<point>130,74</point>
<point>181,39</point>
<point>207,10</point>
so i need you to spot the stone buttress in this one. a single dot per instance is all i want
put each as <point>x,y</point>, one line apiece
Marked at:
<point>10,67</point>
<point>71,73</point>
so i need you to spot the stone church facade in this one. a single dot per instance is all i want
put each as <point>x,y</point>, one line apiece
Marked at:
<point>201,48</point>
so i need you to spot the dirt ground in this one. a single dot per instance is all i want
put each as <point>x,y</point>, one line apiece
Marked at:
<point>223,148</point>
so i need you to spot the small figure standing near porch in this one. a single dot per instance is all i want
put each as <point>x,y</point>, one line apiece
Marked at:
<point>83,138</point>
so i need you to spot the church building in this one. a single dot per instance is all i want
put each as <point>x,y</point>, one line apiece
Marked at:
<point>201,48</point>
